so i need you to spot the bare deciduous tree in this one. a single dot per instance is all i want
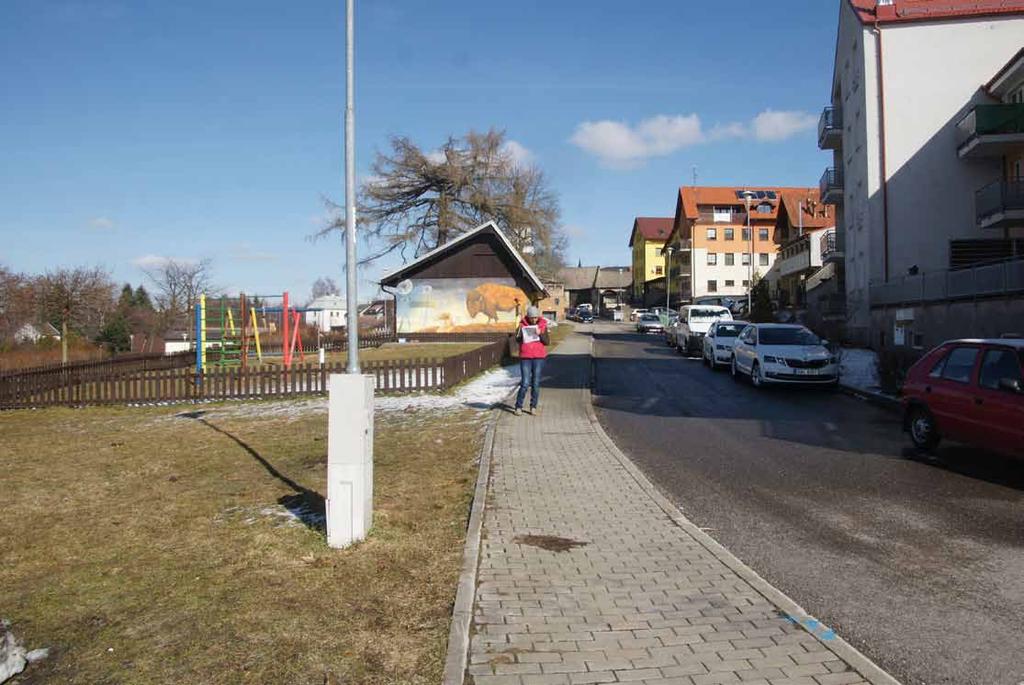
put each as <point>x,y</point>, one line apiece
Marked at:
<point>77,299</point>
<point>17,303</point>
<point>180,283</point>
<point>417,201</point>
<point>323,286</point>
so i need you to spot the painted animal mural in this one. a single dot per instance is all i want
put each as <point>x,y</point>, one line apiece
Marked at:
<point>491,298</point>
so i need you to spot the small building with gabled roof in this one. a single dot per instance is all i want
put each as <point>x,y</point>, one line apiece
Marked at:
<point>476,283</point>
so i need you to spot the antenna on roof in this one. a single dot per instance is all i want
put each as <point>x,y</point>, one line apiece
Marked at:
<point>694,174</point>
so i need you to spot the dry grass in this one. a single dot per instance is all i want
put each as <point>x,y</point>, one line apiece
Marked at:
<point>27,356</point>
<point>146,548</point>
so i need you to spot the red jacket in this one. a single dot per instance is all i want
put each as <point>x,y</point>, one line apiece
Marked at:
<point>533,350</point>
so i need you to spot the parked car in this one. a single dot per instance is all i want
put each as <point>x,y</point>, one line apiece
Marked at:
<point>969,391</point>
<point>585,315</point>
<point>649,323</point>
<point>635,314</point>
<point>670,329</point>
<point>719,341</point>
<point>694,322</point>
<point>783,353</point>
<point>570,314</point>
<point>733,304</point>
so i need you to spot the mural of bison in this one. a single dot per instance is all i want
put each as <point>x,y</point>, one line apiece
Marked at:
<point>491,298</point>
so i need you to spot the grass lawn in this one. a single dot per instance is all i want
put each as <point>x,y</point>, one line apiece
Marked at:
<point>144,547</point>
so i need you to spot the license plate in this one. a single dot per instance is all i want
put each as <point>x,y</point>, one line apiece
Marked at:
<point>806,372</point>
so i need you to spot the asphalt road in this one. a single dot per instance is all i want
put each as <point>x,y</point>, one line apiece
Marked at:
<point>918,563</point>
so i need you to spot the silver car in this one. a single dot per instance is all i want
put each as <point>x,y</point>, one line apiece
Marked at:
<point>649,323</point>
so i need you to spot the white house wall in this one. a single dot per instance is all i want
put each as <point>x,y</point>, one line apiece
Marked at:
<point>933,75</point>
<point>703,272</point>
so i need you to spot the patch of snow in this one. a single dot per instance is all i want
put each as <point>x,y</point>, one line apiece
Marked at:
<point>13,657</point>
<point>482,393</point>
<point>859,369</point>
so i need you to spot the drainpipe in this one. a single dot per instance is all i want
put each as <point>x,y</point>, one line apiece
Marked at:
<point>881,137</point>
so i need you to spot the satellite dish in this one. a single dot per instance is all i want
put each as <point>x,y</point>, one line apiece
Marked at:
<point>405,287</point>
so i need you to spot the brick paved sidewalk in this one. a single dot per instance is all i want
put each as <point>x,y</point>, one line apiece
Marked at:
<point>636,596</point>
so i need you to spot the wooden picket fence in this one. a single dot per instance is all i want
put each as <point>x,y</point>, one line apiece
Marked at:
<point>165,385</point>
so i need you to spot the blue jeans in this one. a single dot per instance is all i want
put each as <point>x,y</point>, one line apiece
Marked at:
<point>529,370</point>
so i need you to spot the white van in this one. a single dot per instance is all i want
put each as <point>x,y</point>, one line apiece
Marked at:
<point>694,322</point>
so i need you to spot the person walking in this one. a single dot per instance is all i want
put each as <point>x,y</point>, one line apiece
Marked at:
<point>532,336</point>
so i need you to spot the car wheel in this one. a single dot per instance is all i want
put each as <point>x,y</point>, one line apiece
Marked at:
<point>923,431</point>
<point>704,359</point>
<point>735,371</point>
<point>755,375</point>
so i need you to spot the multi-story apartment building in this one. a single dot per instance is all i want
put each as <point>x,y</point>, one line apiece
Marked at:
<point>712,250</point>
<point>803,221</point>
<point>646,241</point>
<point>924,128</point>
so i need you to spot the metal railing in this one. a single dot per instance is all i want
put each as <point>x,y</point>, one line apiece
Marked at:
<point>990,120</point>
<point>998,197</point>
<point>831,181</point>
<point>831,243</point>
<point>830,121</point>
<point>985,280</point>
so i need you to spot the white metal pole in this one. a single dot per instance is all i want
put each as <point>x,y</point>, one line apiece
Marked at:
<point>351,264</point>
<point>668,277</point>
<point>750,261</point>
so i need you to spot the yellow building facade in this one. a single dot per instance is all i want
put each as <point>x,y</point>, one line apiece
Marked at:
<point>646,242</point>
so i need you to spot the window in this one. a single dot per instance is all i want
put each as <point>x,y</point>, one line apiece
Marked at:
<point>712,234</point>
<point>712,258</point>
<point>730,284</point>
<point>762,259</point>
<point>659,270</point>
<point>764,208</point>
<point>712,286</point>
<point>722,214</point>
<point>746,234</point>
<point>997,365</point>
<point>730,259</point>
<point>746,283</point>
<point>730,233</point>
<point>762,234</point>
<point>960,364</point>
<point>746,259</point>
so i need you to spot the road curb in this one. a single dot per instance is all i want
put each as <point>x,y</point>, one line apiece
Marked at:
<point>847,652</point>
<point>878,399</point>
<point>462,612</point>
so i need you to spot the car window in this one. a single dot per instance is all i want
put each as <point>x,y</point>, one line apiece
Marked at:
<point>789,336</point>
<point>997,365</point>
<point>960,364</point>
<point>728,330</point>
<point>937,368</point>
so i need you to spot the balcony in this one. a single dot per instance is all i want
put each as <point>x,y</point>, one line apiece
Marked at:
<point>1000,205</point>
<point>831,186</point>
<point>984,280</point>
<point>830,129</point>
<point>832,247</point>
<point>990,131</point>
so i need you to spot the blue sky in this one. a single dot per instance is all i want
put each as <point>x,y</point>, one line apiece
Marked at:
<point>133,130</point>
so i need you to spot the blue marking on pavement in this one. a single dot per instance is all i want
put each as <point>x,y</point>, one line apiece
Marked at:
<point>812,625</point>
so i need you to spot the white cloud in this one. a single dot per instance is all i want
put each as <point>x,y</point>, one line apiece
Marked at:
<point>436,157</point>
<point>101,223</point>
<point>153,261</point>
<point>773,126</point>
<point>618,145</point>
<point>517,152</point>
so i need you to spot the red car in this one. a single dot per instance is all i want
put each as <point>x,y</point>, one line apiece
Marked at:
<point>969,391</point>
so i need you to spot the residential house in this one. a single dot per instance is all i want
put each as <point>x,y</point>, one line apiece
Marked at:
<point>646,242</point>
<point>711,249</point>
<point>326,313</point>
<point>926,131</point>
<point>801,224</point>
<point>554,306</point>
<point>34,332</point>
<point>605,287</point>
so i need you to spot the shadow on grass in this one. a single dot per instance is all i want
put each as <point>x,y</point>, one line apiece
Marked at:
<point>308,506</point>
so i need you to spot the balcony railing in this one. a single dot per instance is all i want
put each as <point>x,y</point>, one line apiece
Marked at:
<point>831,245</point>
<point>995,201</point>
<point>1005,121</point>
<point>830,128</point>
<point>737,218</point>
<point>999,278</point>
<point>831,186</point>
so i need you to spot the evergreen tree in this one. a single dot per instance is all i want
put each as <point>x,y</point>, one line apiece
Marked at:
<point>127,298</point>
<point>141,299</point>
<point>116,334</point>
<point>761,306</point>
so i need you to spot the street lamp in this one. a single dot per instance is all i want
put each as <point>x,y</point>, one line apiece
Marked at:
<point>747,197</point>
<point>668,275</point>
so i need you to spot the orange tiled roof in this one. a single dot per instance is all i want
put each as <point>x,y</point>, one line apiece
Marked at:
<point>815,214</point>
<point>652,228</point>
<point>905,11</point>
<point>690,197</point>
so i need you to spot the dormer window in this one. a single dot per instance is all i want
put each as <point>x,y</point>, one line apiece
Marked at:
<point>764,208</point>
